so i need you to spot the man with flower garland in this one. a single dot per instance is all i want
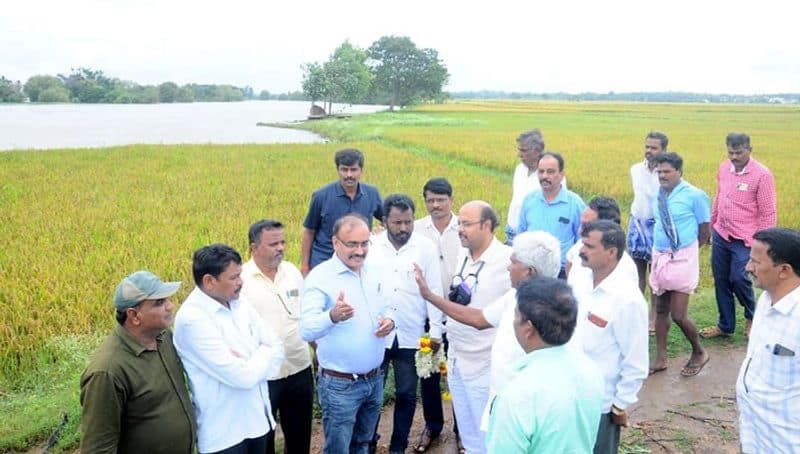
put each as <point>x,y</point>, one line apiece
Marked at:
<point>396,250</point>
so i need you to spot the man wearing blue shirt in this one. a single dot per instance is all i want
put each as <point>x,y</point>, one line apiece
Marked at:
<point>345,313</point>
<point>554,400</point>
<point>333,201</point>
<point>553,209</point>
<point>682,214</point>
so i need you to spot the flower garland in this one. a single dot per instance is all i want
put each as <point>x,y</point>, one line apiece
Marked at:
<point>427,362</point>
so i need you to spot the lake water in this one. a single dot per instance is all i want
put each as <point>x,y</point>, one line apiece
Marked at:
<point>28,126</point>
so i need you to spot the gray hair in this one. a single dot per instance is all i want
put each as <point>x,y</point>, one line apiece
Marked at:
<point>539,250</point>
<point>530,140</point>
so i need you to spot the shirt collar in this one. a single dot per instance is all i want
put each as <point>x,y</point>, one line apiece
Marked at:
<point>613,280</point>
<point>542,354</point>
<point>209,304</point>
<point>560,197</point>
<point>130,342</point>
<point>250,268</point>
<point>787,304</point>
<point>494,250</point>
<point>427,222</point>
<point>340,190</point>
<point>745,169</point>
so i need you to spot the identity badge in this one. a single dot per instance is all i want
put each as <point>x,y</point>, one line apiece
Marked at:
<point>742,186</point>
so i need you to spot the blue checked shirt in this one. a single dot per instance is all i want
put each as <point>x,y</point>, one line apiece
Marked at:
<point>768,387</point>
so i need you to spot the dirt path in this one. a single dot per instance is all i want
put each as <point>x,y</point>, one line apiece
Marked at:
<point>674,414</point>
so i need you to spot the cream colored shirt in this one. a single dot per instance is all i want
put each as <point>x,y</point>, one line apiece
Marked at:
<point>448,246</point>
<point>278,304</point>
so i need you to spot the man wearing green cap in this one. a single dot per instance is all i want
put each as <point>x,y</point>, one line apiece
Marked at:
<point>133,393</point>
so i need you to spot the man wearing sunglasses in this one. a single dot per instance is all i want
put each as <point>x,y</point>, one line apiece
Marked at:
<point>274,287</point>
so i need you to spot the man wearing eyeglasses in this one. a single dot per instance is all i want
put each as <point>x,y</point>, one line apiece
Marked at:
<point>274,287</point>
<point>345,313</point>
<point>480,279</point>
<point>397,249</point>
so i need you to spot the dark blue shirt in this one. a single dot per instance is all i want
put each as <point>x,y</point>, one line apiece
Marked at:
<point>328,204</point>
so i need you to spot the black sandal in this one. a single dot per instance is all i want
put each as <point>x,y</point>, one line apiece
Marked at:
<point>425,439</point>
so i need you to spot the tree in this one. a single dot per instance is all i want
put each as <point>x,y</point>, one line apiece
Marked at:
<point>404,72</point>
<point>10,91</point>
<point>167,92</point>
<point>264,95</point>
<point>54,94</point>
<point>348,75</point>
<point>184,94</point>
<point>315,82</point>
<point>38,84</point>
<point>88,85</point>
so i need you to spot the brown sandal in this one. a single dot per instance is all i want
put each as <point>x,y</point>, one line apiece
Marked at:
<point>425,439</point>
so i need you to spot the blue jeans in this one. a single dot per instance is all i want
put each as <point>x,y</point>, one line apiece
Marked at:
<point>728,259</point>
<point>350,410</point>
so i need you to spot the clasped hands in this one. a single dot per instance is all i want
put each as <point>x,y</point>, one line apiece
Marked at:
<point>342,311</point>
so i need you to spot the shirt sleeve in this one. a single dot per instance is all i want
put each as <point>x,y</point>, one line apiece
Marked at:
<point>102,404</point>
<point>702,208</point>
<point>715,203</point>
<point>576,217</point>
<point>630,332</point>
<point>522,225</point>
<point>200,343</point>
<point>313,219</point>
<point>494,311</point>
<point>315,320</point>
<point>269,339</point>
<point>767,201</point>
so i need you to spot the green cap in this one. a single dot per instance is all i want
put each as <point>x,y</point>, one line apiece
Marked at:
<point>140,286</point>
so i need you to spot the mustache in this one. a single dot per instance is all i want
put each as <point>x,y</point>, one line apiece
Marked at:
<point>583,256</point>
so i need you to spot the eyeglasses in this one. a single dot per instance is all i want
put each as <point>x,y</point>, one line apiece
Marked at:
<point>468,223</point>
<point>355,244</point>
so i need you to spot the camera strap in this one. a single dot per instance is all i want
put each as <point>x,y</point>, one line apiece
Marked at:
<point>464,265</point>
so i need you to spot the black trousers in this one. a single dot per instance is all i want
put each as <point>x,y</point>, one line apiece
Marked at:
<point>607,436</point>
<point>247,446</point>
<point>291,399</point>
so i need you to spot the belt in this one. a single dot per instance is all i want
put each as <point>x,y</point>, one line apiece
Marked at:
<point>353,377</point>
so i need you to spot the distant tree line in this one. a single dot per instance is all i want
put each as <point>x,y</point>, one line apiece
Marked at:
<point>665,96</point>
<point>391,71</point>
<point>85,85</point>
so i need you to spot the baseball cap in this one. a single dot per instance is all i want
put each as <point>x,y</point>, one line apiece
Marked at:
<point>140,286</point>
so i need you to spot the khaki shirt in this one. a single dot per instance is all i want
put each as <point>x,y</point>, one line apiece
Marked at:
<point>278,304</point>
<point>135,400</point>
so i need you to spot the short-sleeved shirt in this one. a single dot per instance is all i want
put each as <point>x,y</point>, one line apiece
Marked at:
<point>561,217</point>
<point>689,207</point>
<point>135,399</point>
<point>552,404</point>
<point>328,204</point>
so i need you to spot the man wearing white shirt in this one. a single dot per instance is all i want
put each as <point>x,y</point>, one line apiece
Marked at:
<point>611,327</point>
<point>534,254</point>
<point>530,146</point>
<point>228,353</point>
<point>441,227</point>
<point>641,220</point>
<point>397,249</point>
<point>599,208</point>
<point>481,278</point>
<point>274,287</point>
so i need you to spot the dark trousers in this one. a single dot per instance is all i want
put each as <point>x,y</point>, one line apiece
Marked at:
<point>247,446</point>
<point>728,259</point>
<point>291,399</point>
<point>607,436</point>
<point>405,384</point>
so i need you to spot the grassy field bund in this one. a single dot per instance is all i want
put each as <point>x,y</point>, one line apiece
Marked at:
<point>74,222</point>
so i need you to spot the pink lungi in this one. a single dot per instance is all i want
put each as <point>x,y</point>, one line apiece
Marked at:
<point>675,271</point>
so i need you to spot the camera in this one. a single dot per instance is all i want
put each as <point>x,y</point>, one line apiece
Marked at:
<point>460,294</point>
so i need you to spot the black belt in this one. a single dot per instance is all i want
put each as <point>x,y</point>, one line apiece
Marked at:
<point>353,377</point>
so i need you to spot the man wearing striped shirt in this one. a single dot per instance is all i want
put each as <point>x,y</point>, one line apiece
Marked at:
<point>767,390</point>
<point>745,203</point>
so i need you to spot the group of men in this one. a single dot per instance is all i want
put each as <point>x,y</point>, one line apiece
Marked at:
<point>247,335</point>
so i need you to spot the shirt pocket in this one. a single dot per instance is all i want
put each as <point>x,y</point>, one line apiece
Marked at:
<point>776,371</point>
<point>597,335</point>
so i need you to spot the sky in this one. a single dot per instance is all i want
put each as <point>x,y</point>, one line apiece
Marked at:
<point>743,47</point>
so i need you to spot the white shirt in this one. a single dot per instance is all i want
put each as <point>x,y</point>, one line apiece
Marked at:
<point>579,272</point>
<point>228,355</point>
<point>612,331</point>
<point>471,348</point>
<point>448,246</point>
<point>506,351</point>
<point>524,183</point>
<point>768,388</point>
<point>645,189</point>
<point>401,290</point>
<point>278,304</point>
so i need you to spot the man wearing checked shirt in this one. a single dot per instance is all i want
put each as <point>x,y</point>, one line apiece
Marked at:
<point>768,389</point>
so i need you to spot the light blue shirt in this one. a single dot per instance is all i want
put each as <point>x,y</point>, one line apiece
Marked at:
<point>349,346</point>
<point>552,404</point>
<point>689,207</point>
<point>561,217</point>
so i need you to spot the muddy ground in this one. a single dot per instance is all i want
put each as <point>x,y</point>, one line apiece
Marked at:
<point>674,414</point>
